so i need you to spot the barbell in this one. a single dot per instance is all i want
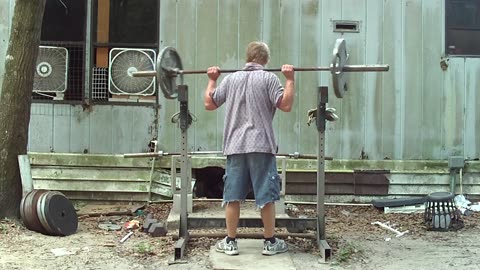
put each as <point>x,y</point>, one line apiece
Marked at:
<point>169,67</point>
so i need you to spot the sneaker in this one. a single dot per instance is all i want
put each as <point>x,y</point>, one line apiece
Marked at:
<point>271,249</point>
<point>230,248</point>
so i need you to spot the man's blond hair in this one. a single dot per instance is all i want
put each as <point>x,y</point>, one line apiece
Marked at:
<point>258,52</point>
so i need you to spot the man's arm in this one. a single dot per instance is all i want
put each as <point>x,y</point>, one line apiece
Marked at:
<point>213,74</point>
<point>286,102</point>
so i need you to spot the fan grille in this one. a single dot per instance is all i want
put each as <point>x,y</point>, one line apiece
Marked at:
<point>125,61</point>
<point>51,70</point>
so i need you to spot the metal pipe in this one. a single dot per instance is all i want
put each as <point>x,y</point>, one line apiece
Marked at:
<point>161,154</point>
<point>346,68</point>
<point>295,155</point>
<point>248,235</point>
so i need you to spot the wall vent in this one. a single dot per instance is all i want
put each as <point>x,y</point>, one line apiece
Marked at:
<point>346,26</point>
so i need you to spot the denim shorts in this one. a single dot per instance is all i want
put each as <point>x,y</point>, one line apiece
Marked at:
<point>251,170</point>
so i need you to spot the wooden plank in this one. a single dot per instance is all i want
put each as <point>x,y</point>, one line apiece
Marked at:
<point>392,131</point>
<point>160,189</point>
<point>433,27</point>
<point>453,108</point>
<point>103,32</point>
<point>290,18</point>
<point>307,82</point>
<point>104,186</point>
<point>250,24</point>
<point>122,129</point>
<point>101,57</point>
<point>472,111</point>
<point>186,38</point>
<point>25,174</point>
<point>101,129</point>
<point>413,70</point>
<point>331,10</point>
<point>353,105</point>
<point>92,174</point>
<point>103,20</point>
<point>168,132</point>
<point>227,52</point>
<point>87,160</point>
<point>271,34</point>
<point>107,197</point>
<point>206,134</point>
<point>61,128</point>
<point>79,130</point>
<point>374,81</point>
<point>143,129</point>
<point>117,161</point>
<point>40,131</point>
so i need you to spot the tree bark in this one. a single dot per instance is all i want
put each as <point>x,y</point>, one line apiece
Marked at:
<point>16,98</point>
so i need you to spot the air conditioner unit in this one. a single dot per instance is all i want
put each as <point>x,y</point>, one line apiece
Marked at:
<point>51,71</point>
<point>124,61</point>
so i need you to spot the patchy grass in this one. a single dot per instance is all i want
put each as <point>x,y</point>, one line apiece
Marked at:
<point>348,251</point>
<point>4,225</point>
<point>144,248</point>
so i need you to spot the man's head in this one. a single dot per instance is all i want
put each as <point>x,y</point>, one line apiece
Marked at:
<point>258,52</point>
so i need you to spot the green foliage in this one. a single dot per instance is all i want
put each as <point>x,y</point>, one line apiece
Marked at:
<point>347,252</point>
<point>144,248</point>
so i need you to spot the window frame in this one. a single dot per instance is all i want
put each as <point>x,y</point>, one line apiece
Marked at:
<point>448,27</point>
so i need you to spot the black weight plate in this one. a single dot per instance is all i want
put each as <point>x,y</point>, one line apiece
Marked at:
<point>60,214</point>
<point>41,213</point>
<point>339,60</point>
<point>31,211</point>
<point>169,60</point>
<point>22,205</point>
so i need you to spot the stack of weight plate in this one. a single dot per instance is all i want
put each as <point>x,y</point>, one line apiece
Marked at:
<point>48,212</point>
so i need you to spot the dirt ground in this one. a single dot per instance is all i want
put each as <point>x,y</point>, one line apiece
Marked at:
<point>356,243</point>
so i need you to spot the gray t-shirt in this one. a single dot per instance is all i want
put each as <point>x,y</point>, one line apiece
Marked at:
<point>251,98</point>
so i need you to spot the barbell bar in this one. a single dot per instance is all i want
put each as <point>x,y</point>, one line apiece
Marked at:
<point>169,67</point>
<point>295,155</point>
<point>347,68</point>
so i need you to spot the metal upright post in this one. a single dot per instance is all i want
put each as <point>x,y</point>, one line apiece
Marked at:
<point>184,124</point>
<point>321,124</point>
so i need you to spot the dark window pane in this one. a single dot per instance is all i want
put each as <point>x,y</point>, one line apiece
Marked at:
<point>133,21</point>
<point>463,27</point>
<point>64,20</point>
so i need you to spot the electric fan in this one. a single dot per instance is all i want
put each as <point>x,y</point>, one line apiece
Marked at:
<point>51,70</point>
<point>124,61</point>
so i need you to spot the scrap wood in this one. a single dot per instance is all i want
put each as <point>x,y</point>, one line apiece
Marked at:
<point>110,213</point>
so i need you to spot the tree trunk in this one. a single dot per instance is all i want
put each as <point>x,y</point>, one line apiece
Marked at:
<point>16,98</point>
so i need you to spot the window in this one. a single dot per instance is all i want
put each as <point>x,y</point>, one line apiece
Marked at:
<point>462,27</point>
<point>133,22</point>
<point>114,24</point>
<point>64,26</point>
<point>120,24</point>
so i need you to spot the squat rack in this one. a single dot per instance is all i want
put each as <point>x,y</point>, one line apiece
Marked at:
<point>169,68</point>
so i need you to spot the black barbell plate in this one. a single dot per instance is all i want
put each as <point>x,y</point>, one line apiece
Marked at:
<point>41,213</point>
<point>169,60</point>
<point>31,214</point>
<point>339,60</point>
<point>60,214</point>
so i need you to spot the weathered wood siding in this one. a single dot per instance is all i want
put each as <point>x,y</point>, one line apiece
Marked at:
<point>6,13</point>
<point>415,111</point>
<point>65,128</point>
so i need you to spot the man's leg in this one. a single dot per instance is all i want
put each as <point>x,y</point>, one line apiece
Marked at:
<point>268,219</point>
<point>235,191</point>
<point>266,185</point>
<point>232,215</point>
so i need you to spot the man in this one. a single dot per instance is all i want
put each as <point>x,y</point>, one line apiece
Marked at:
<point>251,98</point>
